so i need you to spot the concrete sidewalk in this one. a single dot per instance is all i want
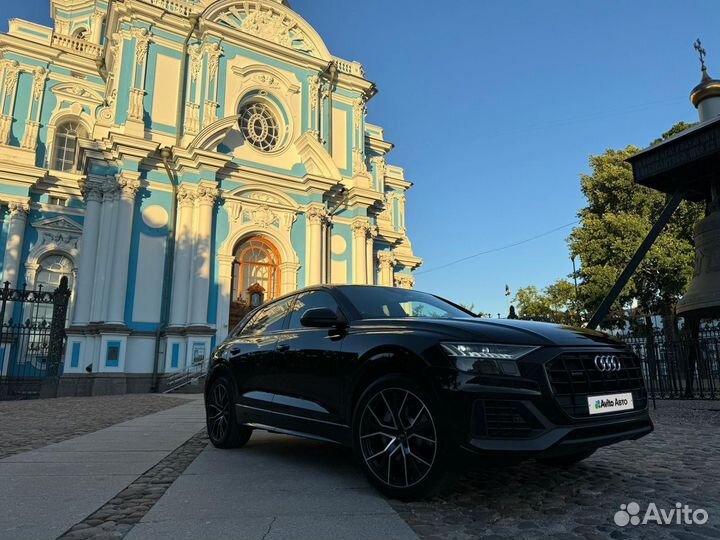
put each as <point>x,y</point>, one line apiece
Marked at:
<point>274,488</point>
<point>46,491</point>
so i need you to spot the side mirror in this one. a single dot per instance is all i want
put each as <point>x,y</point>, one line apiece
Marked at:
<point>320,318</point>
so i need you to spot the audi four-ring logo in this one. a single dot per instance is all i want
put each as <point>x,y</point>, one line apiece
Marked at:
<point>607,363</point>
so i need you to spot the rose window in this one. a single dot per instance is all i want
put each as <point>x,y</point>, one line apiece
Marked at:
<point>259,126</point>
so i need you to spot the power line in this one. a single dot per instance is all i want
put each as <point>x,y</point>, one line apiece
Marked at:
<point>501,248</point>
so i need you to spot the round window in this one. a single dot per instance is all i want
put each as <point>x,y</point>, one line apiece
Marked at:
<point>259,126</point>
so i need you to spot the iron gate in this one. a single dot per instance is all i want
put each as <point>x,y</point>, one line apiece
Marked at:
<point>32,340</point>
<point>680,368</point>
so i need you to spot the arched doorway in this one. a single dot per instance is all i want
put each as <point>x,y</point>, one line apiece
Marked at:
<point>255,276</point>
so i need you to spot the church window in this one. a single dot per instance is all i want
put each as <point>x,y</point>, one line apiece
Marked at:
<point>52,269</point>
<point>66,145</point>
<point>259,126</point>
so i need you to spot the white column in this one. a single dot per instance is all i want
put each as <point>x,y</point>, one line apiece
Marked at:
<point>387,265</point>
<point>129,185</point>
<point>225,264</point>
<point>183,258</point>
<point>369,258</point>
<point>360,230</point>
<point>206,197</point>
<point>103,264</point>
<point>13,246</point>
<point>316,214</point>
<point>88,254</point>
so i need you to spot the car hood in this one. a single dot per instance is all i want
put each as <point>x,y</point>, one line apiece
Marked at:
<point>504,331</point>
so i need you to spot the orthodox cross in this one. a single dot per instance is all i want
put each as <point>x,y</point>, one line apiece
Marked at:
<point>701,52</point>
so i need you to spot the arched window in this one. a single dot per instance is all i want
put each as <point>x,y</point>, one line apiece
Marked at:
<point>255,277</point>
<point>80,33</point>
<point>52,269</point>
<point>65,145</point>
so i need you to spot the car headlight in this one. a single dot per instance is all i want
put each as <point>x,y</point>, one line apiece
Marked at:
<point>487,358</point>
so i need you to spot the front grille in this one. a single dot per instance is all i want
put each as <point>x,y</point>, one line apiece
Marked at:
<point>573,377</point>
<point>504,419</point>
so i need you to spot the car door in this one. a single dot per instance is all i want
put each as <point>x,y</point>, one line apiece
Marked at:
<point>308,383</point>
<point>252,355</point>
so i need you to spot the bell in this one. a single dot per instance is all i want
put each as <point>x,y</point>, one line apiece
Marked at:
<point>702,299</point>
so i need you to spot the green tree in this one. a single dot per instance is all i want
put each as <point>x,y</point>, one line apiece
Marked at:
<point>618,216</point>
<point>555,303</point>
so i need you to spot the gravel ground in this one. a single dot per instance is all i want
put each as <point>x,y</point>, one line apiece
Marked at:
<point>26,425</point>
<point>678,462</point>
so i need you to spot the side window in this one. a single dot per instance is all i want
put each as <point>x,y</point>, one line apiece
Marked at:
<point>310,300</point>
<point>268,319</point>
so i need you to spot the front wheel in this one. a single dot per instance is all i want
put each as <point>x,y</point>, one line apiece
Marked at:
<point>222,428</point>
<point>398,440</point>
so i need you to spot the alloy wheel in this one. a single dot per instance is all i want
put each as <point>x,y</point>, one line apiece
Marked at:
<point>398,438</point>
<point>218,412</point>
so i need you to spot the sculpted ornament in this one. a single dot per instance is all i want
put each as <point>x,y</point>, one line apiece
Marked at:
<point>386,259</point>
<point>314,91</point>
<point>142,39</point>
<point>316,214</point>
<point>360,228</point>
<point>214,51</point>
<point>19,209</point>
<point>12,71</point>
<point>39,78</point>
<point>404,281</point>
<point>207,195</point>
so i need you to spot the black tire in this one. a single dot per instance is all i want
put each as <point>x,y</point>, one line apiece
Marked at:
<point>222,427</point>
<point>567,460</point>
<point>398,439</point>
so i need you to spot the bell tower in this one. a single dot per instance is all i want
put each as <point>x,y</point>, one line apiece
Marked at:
<point>79,19</point>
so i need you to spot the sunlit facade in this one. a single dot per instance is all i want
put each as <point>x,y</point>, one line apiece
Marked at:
<point>279,180</point>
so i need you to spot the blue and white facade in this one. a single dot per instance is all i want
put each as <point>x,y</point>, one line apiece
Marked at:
<point>274,179</point>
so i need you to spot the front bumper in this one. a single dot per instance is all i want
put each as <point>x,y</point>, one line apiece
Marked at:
<point>522,417</point>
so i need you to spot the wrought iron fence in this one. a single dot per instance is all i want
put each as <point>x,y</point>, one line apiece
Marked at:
<point>32,340</point>
<point>679,367</point>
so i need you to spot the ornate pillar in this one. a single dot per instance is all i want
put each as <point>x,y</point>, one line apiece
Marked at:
<point>7,103</point>
<point>88,253</point>
<point>360,229</point>
<point>387,263</point>
<point>106,242</point>
<point>183,257</point>
<point>225,267</point>
<point>316,214</point>
<point>129,185</point>
<point>206,197</point>
<point>13,246</point>
<point>369,257</point>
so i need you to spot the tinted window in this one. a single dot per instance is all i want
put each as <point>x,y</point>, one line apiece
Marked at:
<point>382,302</point>
<point>311,300</point>
<point>268,319</point>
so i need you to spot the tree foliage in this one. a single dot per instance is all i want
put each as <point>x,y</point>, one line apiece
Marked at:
<point>555,303</point>
<point>617,217</point>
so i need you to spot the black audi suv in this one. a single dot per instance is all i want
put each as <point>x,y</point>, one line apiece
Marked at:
<point>415,384</point>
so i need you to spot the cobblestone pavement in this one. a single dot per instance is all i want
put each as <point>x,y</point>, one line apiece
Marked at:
<point>26,425</point>
<point>678,462</point>
<point>115,518</point>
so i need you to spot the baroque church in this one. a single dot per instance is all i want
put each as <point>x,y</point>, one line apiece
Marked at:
<point>180,162</point>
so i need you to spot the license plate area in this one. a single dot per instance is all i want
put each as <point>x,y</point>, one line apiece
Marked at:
<point>610,403</point>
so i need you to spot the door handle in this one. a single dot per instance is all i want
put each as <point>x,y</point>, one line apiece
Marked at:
<point>283,348</point>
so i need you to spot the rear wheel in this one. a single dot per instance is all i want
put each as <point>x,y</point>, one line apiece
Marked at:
<point>568,459</point>
<point>398,440</point>
<point>222,428</point>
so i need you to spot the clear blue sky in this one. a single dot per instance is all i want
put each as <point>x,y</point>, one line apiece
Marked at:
<point>494,108</point>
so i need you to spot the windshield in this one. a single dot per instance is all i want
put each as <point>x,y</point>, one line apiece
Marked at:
<point>383,302</point>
